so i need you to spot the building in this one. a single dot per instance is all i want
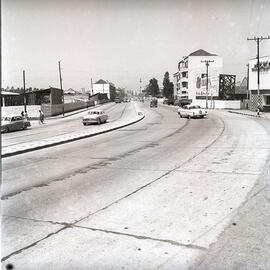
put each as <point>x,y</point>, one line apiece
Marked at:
<point>35,97</point>
<point>190,79</point>
<point>11,99</point>
<point>261,99</point>
<point>103,87</point>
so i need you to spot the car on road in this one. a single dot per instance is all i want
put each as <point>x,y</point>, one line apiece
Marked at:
<point>95,117</point>
<point>14,123</point>
<point>153,103</point>
<point>192,111</point>
<point>126,99</point>
<point>117,100</point>
<point>168,101</point>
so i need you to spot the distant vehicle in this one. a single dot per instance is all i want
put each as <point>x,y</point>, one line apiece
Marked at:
<point>95,116</point>
<point>153,103</point>
<point>117,100</point>
<point>126,99</point>
<point>192,111</point>
<point>14,123</point>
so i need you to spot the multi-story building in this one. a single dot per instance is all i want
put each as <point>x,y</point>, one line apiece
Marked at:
<point>191,76</point>
<point>261,99</point>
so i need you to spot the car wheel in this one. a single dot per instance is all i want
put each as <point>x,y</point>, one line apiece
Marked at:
<point>6,130</point>
<point>99,122</point>
<point>84,124</point>
<point>180,115</point>
<point>189,117</point>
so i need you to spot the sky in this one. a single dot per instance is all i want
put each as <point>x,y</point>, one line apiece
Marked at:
<point>124,40</point>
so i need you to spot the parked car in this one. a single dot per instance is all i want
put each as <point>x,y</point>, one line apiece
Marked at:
<point>153,103</point>
<point>169,101</point>
<point>14,123</point>
<point>192,111</point>
<point>95,116</point>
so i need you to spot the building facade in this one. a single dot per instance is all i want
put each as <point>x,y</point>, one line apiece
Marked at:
<point>190,79</point>
<point>261,99</point>
<point>103,87</point>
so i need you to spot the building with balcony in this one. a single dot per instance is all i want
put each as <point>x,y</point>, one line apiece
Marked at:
<point>261,99</point>
<point>190,79</point>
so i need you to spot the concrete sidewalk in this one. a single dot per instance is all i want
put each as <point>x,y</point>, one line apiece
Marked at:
<point>251,113</point>
<point>73,136</point>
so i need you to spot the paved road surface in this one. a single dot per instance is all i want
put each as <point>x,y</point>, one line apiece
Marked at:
<point>60,126</point>
<point>154,195</point>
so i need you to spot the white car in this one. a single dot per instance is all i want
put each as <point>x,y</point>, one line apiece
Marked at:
<point>192,111</point>
<point>95,116</point>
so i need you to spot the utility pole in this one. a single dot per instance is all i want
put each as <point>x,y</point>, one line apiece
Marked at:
<point>140,85</point>
<point>207,65</point>
<point>258,39</point>
<point>24,95</point>
<point>92,87</point>
<point>63,100</point>
<point>247,81</point>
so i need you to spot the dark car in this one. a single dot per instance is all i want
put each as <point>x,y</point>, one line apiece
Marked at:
<point>169,101</point>
<point>14,123</point>
<point>117,100</point>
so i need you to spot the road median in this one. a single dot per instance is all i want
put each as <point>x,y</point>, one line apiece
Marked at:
<point>70,137</point>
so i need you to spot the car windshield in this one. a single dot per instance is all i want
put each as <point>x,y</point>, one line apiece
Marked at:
<point>195,107</point>
<point>94,112</point>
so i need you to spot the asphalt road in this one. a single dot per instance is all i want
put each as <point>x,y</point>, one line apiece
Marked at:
<point>56,127</point>
<point>160,194</point>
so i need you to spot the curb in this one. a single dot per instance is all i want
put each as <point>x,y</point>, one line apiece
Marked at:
<point>254,115</point>
<point>50,144</point>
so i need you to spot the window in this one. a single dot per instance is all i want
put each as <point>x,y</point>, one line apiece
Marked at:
<point>267,100</point>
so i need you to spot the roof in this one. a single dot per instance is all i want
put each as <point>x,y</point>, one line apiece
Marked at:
<point>101,82</point>
<point>201,52</point>
<point>261,57</point>
<point>6,93</point>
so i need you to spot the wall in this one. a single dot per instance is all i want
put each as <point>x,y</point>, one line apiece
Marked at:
<point>264,75</point>
<point>52,110</point>
<point>32,110</point>
<point>101,88</point>
<point>196,68</point>
<point>219,104</point>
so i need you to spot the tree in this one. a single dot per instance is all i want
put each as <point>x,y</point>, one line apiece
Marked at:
<point>167,86</point>
<point>153,88</point>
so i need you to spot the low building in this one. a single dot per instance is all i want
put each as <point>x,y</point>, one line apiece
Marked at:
<point>259,98</point>
<point>11,99</point>
<point>44,96</point>
<point>98,98</point>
